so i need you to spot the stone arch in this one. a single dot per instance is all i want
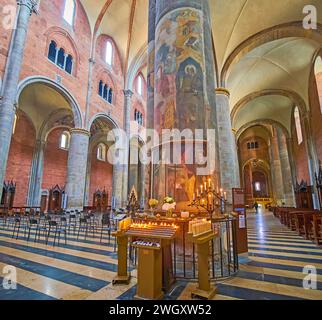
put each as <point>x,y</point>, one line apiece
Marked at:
<point>293,96</point>
<point>290,29</point>
<point>137,64</point>
<point>78,119</point>
<point>105,116</point>
<point>262,123</point>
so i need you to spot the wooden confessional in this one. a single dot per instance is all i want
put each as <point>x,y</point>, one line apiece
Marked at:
<point>303,195</point>
<point>8,194</point>
<point>100,200</point>
<point>56,195</point>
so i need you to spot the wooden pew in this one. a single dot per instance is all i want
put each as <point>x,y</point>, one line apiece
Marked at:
<point>317,228</point>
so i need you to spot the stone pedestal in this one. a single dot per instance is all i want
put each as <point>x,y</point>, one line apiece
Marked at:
<point>76,168</point>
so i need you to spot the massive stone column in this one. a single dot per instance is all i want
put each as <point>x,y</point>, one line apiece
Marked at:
<point>313,162</point>
<point>184,97</point>
<point>127,127</point>
<point>229,172</point>
<point>142,180</point>
<point>36,174</point>
<point>150,85</point>
<point>117,186</point>
<point>76,168</point>
<point>10,82</point>
<point>276,168</point>
<point>286,169</point>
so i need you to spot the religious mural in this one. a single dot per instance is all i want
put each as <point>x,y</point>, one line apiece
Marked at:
<point>179,94</point>
<point>179,68</point>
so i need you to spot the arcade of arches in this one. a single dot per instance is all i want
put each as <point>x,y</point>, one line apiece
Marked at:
<point>71,73</point>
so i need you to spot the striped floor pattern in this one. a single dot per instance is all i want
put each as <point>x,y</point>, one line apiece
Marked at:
<point>84,269</point>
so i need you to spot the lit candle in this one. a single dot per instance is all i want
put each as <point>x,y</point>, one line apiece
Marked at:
<point>209,183</point>
<point>205,185</point>
<point>198,193</point>
<point>221,191</point>
<point>201,189</point>
<point>225,195</point>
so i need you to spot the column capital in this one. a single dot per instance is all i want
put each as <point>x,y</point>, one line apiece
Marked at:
<point>224,91</point>
<point>128,93</point>
<point>80,131</point>
<point>32,5</point>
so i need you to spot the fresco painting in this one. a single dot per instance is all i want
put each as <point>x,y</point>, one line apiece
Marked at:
<point>179,94</point>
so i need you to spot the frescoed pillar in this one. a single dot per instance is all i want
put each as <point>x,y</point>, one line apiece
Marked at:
<point>150,87</point>
<point>184,98</point>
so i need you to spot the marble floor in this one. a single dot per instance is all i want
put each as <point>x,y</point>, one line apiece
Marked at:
<point>84,269</point>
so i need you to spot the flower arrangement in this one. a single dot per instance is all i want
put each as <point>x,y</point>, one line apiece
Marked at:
<point>153,203</point>
<point>168,205</point>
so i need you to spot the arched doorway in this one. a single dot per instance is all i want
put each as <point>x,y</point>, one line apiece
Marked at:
<point>100,170</point>
<point>52,112</point>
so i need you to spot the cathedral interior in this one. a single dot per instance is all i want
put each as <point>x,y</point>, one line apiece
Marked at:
<point>89,87</point>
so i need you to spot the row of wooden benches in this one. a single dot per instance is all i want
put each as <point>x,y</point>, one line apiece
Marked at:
<point>306,222</point>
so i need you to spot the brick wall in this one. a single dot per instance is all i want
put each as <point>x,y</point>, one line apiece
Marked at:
<point>100,177</point>
<point>20,158</point>
<point>55,161</point>
<point>315,95</point>
<point>300,154</point>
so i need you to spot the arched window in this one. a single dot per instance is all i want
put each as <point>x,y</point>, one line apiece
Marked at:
<point>61,58</point>
<point>318,78</point>
<point>100,88</point>
<point>298,126</point>
<point>64,140</point>
<point>101,152</point>
<point>69,11</point>
<point>109,53</point>
<point>69,64</point>
<point>110,96</point>
<point>52,52</point>
<point>140,85</point>
<point>105,92</point>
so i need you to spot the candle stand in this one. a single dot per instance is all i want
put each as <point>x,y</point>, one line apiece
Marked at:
<point>122,277</point>
<point>206,197</point>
